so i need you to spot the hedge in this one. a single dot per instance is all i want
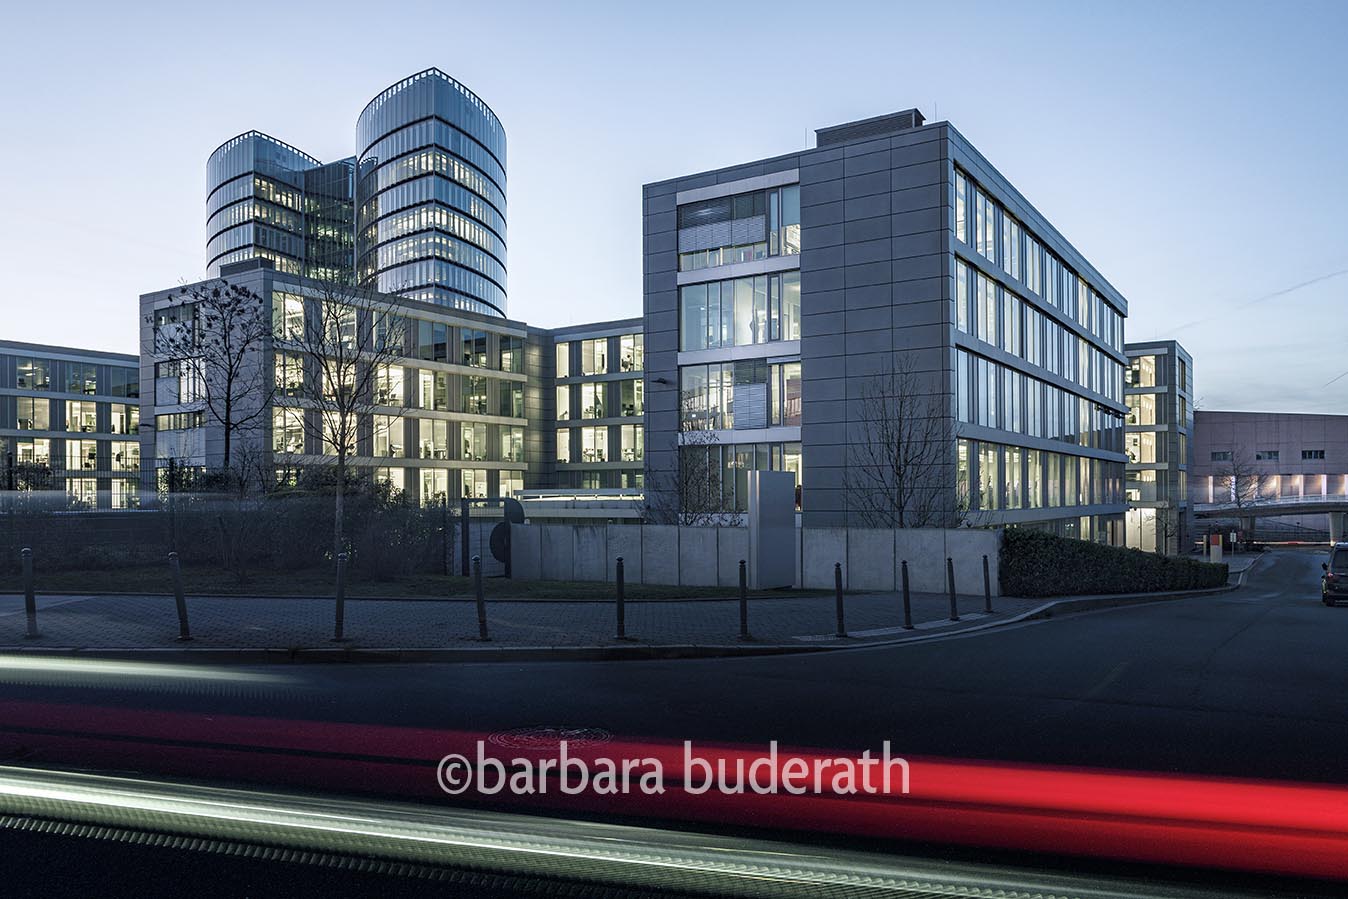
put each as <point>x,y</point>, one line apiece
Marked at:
<point>1034,563</point>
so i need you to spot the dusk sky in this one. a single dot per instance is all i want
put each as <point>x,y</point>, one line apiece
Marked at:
<point>1193,152</point>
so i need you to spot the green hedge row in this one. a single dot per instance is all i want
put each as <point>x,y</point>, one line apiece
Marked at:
<point>1037,564</point>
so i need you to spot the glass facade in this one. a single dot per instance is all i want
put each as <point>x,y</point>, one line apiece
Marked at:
<point>599,438</point>
<point>267,200</point>
<point>70,425</point>
<point>454,397</point>
<point>430,195</point>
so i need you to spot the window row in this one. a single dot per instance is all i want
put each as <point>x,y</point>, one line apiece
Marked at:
<point>434,485</point>
<point>430,245</point>
<point>714,477</point>
<point>618,443</point>
<point>601,399</point>
<point>750,393</point>
<point>24,413</point>
<point>439,218</point>
<point>395,437</point>
<point>768,225</point>
<point>981,223</point>
<point>433,159</point>
<point>740,312</point>
<point>79,455</point>
<point>1151,446</point>
<point>1221,488</point>
<point>986,310</point>
<point>995,396</point>
<point>37,374</point>
<point>592,355</point>
<point>1152,409</point>
<point>994,476</point>
<point>432,188</point>
<point>1158,371</point>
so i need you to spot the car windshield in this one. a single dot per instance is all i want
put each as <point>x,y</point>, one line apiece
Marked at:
<point>882,433</point>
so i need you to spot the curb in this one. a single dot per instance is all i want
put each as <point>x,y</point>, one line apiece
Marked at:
<point>652,652</point>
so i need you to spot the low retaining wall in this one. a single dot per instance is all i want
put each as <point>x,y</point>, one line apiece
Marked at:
<point>710,556</point>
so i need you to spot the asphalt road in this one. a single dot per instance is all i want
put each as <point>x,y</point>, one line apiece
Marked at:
<point>1249,683</point>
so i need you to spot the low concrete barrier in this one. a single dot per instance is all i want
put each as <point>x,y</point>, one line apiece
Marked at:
<point>709,556</point>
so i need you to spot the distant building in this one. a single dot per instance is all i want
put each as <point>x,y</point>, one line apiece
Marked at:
<point>418,211</point>
<point>70,422</point>
<point>447,419</point>
<point>1290,469</point>
<point>1159,442</point>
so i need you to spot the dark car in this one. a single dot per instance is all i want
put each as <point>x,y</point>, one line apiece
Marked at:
<point>1334,582</point>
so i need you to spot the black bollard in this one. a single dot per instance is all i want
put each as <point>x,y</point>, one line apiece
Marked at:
<point>744,601</point>
<point>950,586</point>
<point>178,599</point>
<point>838,598</point>
<point>29,599</point>
<point>987,587</point>
<point>622,601</point>
<point>907,600</point>
<point>481,601</point>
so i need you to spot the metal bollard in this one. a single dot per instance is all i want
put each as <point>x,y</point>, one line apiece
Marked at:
<point>178,600</point>
<point>950,586</point>
<point>907,600</point>
<point>337,632</point>
<point>987,587</point>
<point>481,601</point>
<point>622,600</point>
<point>744,600</point>
<point>838,598</point>
<point>29,600</point>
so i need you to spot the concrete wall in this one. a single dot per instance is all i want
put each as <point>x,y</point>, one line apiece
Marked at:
<point>694,556</point>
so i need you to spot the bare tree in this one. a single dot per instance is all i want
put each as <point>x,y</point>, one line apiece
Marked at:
<point>1240,479</point>
<point>899,467</point>
<point>347,341</point>
<point>699,483</point>
<point>217,331</point>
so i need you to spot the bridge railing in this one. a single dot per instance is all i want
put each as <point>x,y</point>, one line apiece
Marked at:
<point>1258,506</point>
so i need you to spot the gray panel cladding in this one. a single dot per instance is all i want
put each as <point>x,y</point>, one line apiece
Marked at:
<point>873,296</point>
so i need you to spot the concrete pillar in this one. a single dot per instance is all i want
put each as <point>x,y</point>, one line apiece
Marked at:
<point>1336,522</point>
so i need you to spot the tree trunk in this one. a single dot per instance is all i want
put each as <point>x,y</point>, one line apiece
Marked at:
<point>229,428</point>
<point>340,507</point>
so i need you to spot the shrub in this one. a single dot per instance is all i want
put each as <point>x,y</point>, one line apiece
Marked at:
<point>1037,564</point>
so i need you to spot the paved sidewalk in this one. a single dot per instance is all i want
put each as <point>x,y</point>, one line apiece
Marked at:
<point>129,622</point>
<point>688,627</point>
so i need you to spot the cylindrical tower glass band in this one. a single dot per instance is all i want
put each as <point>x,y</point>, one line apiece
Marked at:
<point>430,195</point>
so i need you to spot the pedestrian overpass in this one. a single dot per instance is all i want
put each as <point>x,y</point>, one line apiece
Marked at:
<point>1335,506</point>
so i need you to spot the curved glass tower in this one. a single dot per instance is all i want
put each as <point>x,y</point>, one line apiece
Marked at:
<point>265,199</point>
<point>255,202</point>
<point>430,195</point>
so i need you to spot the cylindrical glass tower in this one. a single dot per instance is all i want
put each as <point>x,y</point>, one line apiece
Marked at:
<point>255,203</point>
<point>430,195</point>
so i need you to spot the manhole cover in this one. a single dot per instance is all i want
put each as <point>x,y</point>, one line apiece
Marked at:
<point>547,737</point>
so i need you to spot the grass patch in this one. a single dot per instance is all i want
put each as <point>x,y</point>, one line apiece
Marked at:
<point>316,582</point>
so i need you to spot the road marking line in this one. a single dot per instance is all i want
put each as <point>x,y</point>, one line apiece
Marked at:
<point>41,605</point>
<point>886,631</point>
